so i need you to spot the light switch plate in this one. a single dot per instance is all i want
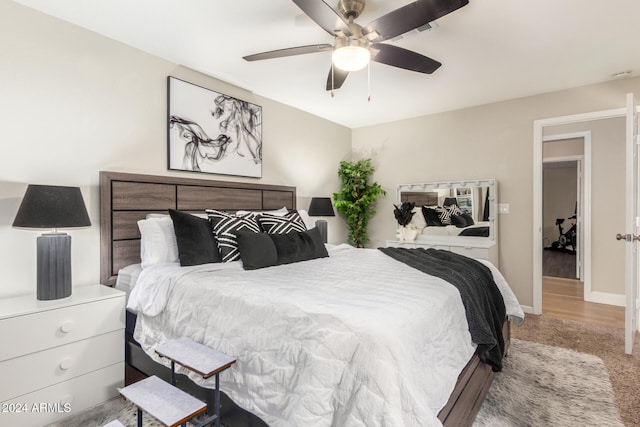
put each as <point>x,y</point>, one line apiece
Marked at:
<point>503,208</point>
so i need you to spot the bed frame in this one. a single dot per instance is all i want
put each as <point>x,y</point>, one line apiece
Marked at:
<point>126,198</point>
<point>420,198</point>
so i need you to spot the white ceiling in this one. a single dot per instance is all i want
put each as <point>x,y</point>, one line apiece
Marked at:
<point>491,50</point>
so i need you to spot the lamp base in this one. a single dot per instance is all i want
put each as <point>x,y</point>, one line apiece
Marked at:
<point>54,266</point>
<point>321,225</point>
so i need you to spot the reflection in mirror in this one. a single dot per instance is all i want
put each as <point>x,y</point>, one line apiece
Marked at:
<point>452,208</point>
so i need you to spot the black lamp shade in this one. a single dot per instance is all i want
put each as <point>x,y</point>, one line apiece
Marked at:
<point>53,207</point>
<point>321,206</point>
<point>49,206</point>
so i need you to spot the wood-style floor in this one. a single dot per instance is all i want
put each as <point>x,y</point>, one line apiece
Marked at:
<point>563,298</point>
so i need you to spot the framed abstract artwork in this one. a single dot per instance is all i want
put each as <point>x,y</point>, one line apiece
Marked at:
<point>211,132</point>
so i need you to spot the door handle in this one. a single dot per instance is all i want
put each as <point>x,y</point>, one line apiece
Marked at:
<point>627,237</point>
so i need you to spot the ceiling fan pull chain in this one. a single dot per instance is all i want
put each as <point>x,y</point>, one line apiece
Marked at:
<point>369,82</point>
<point>332,85</point>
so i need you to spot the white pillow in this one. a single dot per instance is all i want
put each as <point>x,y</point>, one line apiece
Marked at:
<point>157,215</point>
<point>308,222</point>
<point>280,212</point>
<point>158,241</point>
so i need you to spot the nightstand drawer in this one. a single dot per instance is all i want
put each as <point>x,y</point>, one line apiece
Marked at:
<point>58,326</point>
<point>64,399</point>
<point>44,368</point>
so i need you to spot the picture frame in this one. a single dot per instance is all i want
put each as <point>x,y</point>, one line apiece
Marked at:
<point>210,132</point>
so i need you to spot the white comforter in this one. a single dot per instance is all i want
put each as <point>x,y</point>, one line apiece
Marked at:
<point>356,339</point>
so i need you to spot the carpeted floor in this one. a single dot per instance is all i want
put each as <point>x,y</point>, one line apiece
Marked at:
<point>606,343</point>
<point>543,385</point>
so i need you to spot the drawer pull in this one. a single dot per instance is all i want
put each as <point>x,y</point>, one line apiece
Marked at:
<point>65,364</point>
<point>67,326</point>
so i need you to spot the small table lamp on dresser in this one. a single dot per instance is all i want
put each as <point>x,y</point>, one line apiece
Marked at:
<point>321,206</point>
<point>53,207</point>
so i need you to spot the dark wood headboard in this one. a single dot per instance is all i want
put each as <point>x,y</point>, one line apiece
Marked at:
<point>126,198</point>
<point>420,198</point>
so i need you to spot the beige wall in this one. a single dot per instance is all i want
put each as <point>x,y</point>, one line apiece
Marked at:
<point>74,103</point>
<point>489,141</point>
<point>563,148</point>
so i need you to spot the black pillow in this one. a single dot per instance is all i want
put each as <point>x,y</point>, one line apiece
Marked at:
<point>196,243</point>
<point>468,218</point>
<point>459,221</point>
<point>449,201</point>
<point>257,252</point>
<point>431,217</point>
<point>299,246</point>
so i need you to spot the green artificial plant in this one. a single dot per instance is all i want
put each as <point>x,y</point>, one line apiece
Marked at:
<point>356,197</point>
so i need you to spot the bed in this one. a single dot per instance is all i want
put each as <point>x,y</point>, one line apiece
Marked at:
<point>127,198</point>
<point>427,216</point>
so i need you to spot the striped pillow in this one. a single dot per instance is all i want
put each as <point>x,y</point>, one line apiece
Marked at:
<point>277,224</point>
<point>445,213</point>
<point>226,228</point>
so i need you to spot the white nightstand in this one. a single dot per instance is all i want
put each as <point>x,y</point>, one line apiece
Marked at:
<point>60,357</point>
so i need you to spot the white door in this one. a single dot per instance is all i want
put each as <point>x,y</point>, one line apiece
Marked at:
<point>579,226</point>
<point>632,225</point>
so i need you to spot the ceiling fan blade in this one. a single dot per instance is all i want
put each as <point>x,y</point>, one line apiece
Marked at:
<point>338,78</point>
<point>291,51</point>
<point>325,16</point>
<point>410,17</point>
<point>403,58</point>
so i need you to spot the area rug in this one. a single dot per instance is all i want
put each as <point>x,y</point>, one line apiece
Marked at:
<point>606,343</point>
<point>541,385</point>
<point>114,409</point>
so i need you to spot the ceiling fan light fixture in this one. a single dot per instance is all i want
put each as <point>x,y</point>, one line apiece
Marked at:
<point>350,54</point>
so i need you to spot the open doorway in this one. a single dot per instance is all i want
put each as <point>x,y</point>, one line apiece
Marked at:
<point>596,206</point>
<point>561,216</point>
<point>566,176</point>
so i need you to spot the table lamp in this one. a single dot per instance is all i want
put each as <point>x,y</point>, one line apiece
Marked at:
<point>321,206</point>
<point>53,207</point>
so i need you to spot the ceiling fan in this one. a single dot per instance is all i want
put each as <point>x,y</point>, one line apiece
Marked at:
<point>354,45</point>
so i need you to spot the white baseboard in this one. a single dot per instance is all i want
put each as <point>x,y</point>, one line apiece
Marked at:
<point>527,309</point>
<point>607,298</point>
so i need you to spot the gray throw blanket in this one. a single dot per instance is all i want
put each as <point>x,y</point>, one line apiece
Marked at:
<point>483,303</point>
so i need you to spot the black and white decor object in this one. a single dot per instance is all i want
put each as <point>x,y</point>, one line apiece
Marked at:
<point>53,207</point>
<point>211,132</point>
<point>226,228</point>
<point>321,206</point>
<point>404,213</point>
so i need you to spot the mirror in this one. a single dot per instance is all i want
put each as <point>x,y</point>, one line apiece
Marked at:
<point>476,199</point>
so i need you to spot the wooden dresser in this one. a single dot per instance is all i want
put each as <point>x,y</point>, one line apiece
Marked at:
<point>60,357</point>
